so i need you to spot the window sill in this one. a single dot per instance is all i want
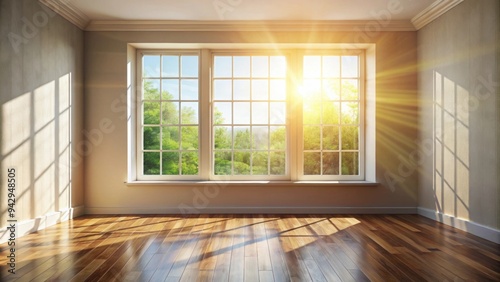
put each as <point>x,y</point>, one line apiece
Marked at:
<point>253,183</point>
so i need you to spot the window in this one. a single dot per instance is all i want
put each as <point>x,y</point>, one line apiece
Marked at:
<point>249,115</point>
<point>331,117</point>
<point>288,115</point>
<point>169,121</point>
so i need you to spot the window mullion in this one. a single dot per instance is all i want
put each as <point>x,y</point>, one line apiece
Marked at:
<point>294,75</point>
<point>205,123</point>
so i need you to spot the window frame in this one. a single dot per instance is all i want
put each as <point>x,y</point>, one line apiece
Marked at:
<point>139,165</point>
<point>288,151</point>
<point>362,97</point>
<point>294,150</point>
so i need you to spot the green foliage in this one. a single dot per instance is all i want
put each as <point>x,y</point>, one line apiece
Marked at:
<point>249,161</point>
<point>167,134</point>
<point>330,124</point>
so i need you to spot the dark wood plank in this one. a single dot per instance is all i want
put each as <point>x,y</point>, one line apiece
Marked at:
<point>252,248</point>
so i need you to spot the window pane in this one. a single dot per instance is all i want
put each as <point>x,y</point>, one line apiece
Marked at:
<point>260,137</point>
<point>241,163</point>
<point>151,89</point>
<point>278,163</point>
<point>170,112</point>
<point>241,137</point>
<point>151,137</point>
<point>312,163</point>
<point>278,89</point>
<point>260,89</point>
<point>331,89</point>
<point>350,113</point>
<point>223,137</point>
<point>151,112</point>
<point>350,66</point>
<point>278,66</point>
<point>170,66</point>
<point>241,113</point>
<point>328,123</point>
<point>312,137</point>
<point>312,112</point>
<point>189,137</point>
<point>278,138</point>
<point>260,67</point>
<point>312,66</point>
<point>151,163</point>
<point>278,113</point>
<point>170,163</point>
<point>222,66</point>
<point>189,113</point>
<point>170,89</point>
<point>259,163</point>
<point>241,89</point>
<point>241,66</point>
<point>189,89</point>
<point>170,138</point>
<point>260,113</point>
<point>350,163</point>
<point>350,138</point>
<point>189,163</point>
<point>222,113</point>
<point>331,112</point>
<point>311,89</point>
<point>331,66</point>
<point>250,115</point>
<point>151,66</point>
<point>350,89</point>
<point>330,137</point>
<point>331,163</point>
<point>222,89</point>
<point>189,66</point>
<point>222,163</point>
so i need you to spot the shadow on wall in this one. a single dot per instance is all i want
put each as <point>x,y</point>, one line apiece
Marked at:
<point>463,161</point>
<point>451,140</point>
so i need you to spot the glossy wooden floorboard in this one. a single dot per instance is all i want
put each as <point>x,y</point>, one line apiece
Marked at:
<point>252,248</point>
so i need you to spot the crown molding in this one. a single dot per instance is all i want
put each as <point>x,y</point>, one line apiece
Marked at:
<point>368,26</point>
<point>432,12</point>
<point>68,11</point>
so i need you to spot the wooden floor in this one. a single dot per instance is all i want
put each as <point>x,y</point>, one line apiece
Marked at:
<point>252,248</point>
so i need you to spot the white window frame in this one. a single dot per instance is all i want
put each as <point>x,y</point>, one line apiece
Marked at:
<point>288,150</point>
<point>294,153</point>
<point>139,116</point>
<point>299,111</point>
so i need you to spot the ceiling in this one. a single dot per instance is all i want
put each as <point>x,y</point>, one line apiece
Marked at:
<point>268,10</point>
<point>393,15</point>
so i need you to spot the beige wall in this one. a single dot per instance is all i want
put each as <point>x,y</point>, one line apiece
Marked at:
<point>41,111</point>
<point>106,163</point>
<point>460,114</point>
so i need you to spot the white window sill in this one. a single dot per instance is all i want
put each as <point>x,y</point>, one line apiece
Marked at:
<point>253,183</point>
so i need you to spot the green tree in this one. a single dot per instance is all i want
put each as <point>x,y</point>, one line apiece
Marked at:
<point>167,134</point>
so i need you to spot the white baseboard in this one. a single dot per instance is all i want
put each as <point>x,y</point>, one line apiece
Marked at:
<point>253,210</point>
<point>32,225</point>
<point>78,211</point>
<point>479,230</point>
